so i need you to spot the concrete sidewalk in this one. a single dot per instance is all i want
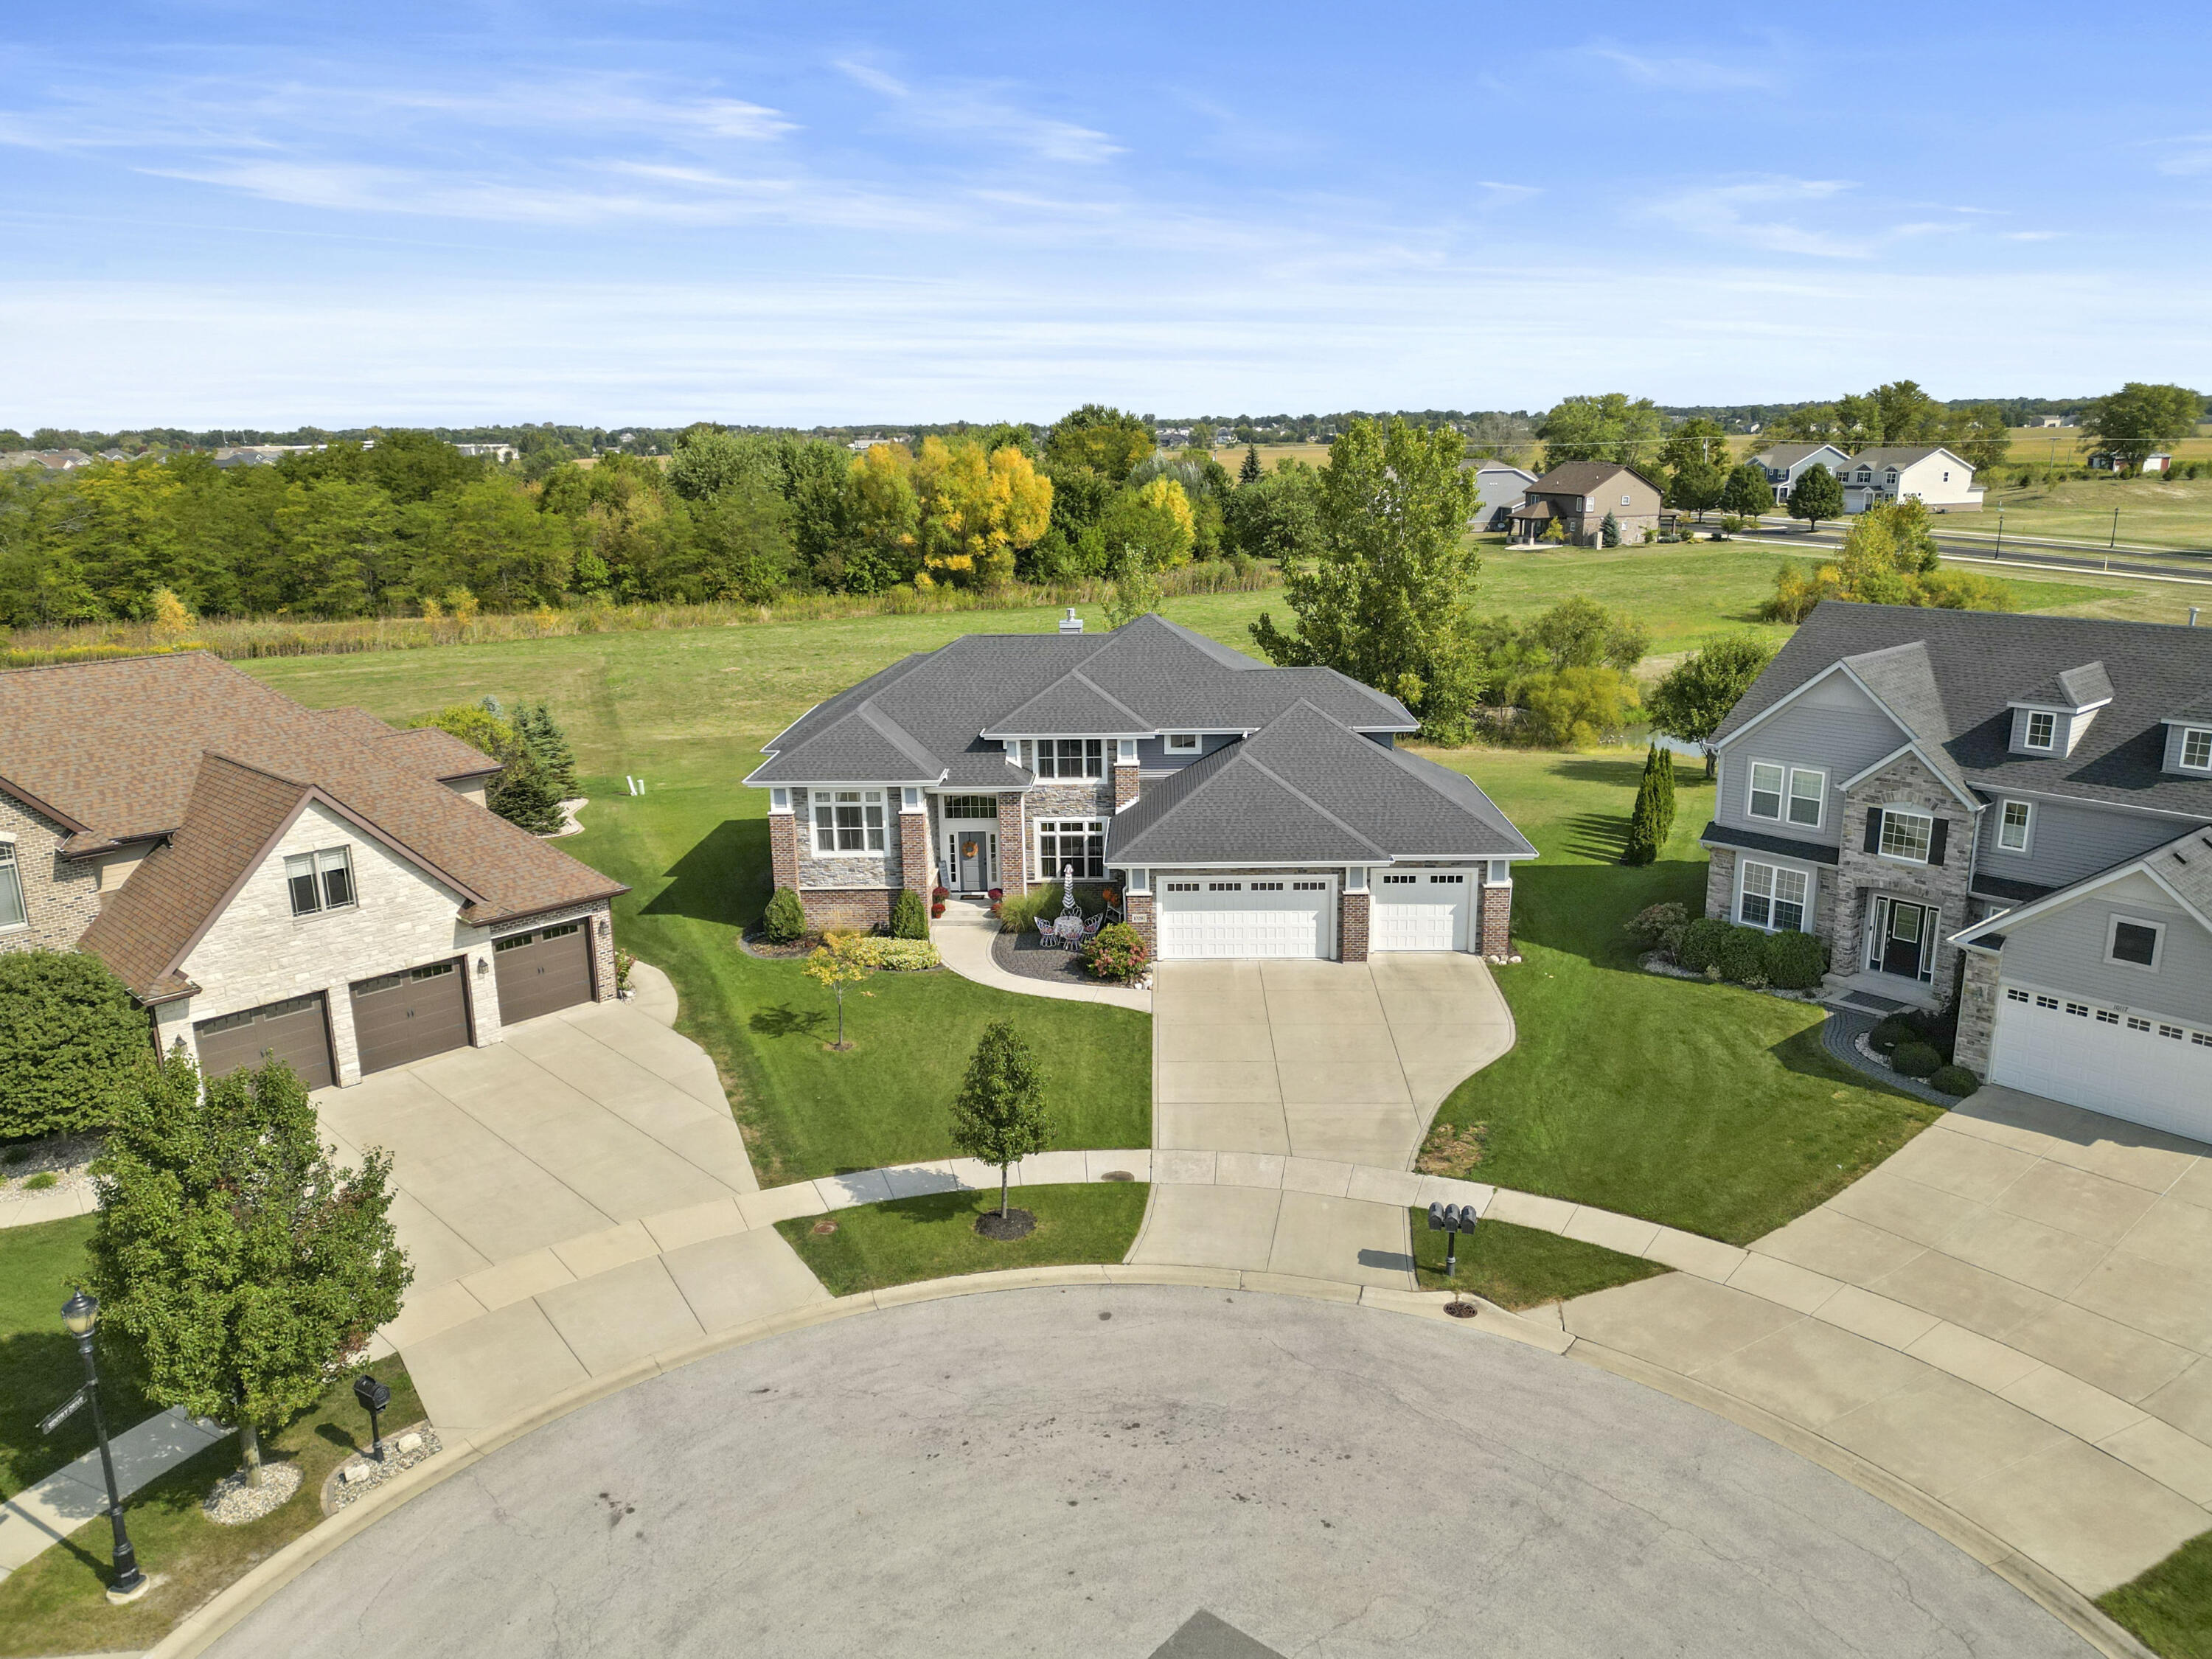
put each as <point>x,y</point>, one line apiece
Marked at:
<point>41,1515</point>
<point>963,936</point>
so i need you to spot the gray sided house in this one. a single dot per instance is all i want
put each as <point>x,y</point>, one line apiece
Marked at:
<point>2013,811</point>
<point>1244,811</point>
<point>1575,495</point>
<point>1786,462</point>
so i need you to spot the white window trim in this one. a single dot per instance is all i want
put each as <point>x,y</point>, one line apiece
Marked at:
<point>1819,797</point>
<point>2181,760</point>
<point>1805,905</point>
<point>1182,743</point>
<point>2027,730</point>
<point>1096,826</point>
<point>779,799</point>
<point>13,868</point>
<point>2026,829</point>
<point>318,869</point>
<point>1781,792</point>
<point>817,799</point>
<point>1890,812</point>
<point>2157,948</point>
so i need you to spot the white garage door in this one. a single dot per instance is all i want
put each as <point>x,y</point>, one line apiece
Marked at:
<point>1420,910</point>
<point>2140,1067</point>
<point>1246,917</point>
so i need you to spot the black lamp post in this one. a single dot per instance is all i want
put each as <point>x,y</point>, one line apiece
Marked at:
<point>80,1316</point>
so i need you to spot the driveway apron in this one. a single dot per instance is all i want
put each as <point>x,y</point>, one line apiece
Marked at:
<point>1339,1061</point>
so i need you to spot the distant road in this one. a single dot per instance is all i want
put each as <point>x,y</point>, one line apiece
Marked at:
<point>1980,547</point>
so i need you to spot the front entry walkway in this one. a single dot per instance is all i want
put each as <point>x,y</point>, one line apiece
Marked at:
<point>1285,1063</point>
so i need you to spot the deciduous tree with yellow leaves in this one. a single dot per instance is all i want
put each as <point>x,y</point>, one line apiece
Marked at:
<point>975,509</point>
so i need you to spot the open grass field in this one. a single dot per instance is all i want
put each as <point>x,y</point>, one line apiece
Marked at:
<point>688,710</point>
<point>1702,1106</point>
<point>875,1246</point>
<point>2152,513</point>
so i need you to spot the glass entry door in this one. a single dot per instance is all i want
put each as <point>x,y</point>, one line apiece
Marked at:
<point>1902,933</point>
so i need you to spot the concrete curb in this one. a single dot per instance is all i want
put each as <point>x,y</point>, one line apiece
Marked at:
<point>2048,1592</point>
<point>198,1630</point>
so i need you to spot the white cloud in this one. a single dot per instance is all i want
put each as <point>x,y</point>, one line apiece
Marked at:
<point>1683,73</point>
<point>978,112</point>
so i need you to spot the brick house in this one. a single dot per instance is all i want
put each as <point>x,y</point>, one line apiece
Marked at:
<point>267,877</point>
<point>1244,811</point>
<point>2011,812</point>
<point>1577,495</point>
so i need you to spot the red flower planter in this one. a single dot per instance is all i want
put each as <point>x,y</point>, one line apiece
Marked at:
<point>937,909</point>
<point>938,895</point>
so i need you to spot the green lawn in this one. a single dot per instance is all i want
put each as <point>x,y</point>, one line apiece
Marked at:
<point>1706,1106</point>
<point>2152,513</point>
<point>58,1604</point>
<point>876,1245</point>
<point>39,1363</point>
<point>1520,1267</point>
<point>2169,1608</point>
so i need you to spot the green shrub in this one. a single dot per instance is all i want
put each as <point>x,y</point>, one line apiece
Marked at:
<point>1017,911</point>
<point>1116,952</point>
<point>1916,1059</point>
<point>1795,961</point>
<point>897,956</point>
<point>1954,1081</point>
<point>784,921</point>
<point>1888,1033</point>
<point>1701,940</point>
<point>1658,927</point>
<point>1740,956</point>
<point>41,1182</point>
<point>71,1039</point>
<point>909,915</point>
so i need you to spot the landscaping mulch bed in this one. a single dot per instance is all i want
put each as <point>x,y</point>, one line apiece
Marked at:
<point>1015,1224</point>
<point>1030,957</point>
<point>754,943</point>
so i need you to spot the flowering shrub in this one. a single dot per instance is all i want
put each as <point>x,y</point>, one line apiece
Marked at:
<point>1116,952</point>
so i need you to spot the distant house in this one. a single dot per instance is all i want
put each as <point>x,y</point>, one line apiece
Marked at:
<point>1786,462</point>
<point>2054,420</point>
<point>1498,490</point>
<point>499,454</point>
<point>54,460</point>
<point>2104,461</point>
<point>1925,472</point>
<point>1577,496</point>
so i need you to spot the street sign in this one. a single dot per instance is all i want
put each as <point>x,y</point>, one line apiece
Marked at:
<point>61,1413</point>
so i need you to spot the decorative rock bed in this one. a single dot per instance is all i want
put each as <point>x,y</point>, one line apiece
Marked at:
<point>361,1475</point>
<point>68,1158</point>
<point>233,1503</point>
<point>1653,963</point>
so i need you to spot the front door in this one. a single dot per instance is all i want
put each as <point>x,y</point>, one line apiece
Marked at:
<point>972,860</point>
<point>1904,939</point>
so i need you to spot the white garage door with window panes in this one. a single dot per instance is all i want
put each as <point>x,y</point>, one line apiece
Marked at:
<point>1420,910</point>
<point>2123,1064</point>
<point>1240,916</point>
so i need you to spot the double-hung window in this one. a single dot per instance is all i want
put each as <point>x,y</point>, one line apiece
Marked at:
<point>1800,792</point>
<point>1182,743</point>
<point>1773,898</point>
<point>319,881</point>
<point>848,821</point>
<point>2042,728</point>
<point>12,913</point>
<point>1905,835</point>
<point>1078,842</point>
<point>1071,757</point>
<point>2196,749</point>
<point>2014,819</point>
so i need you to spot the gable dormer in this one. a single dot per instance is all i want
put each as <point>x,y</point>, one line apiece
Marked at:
<point>2189,741</point>
<point>2050,720</point>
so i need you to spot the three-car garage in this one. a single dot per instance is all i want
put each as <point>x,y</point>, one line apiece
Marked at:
<point>1201,916</point>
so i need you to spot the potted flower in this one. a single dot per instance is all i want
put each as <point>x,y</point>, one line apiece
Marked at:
<point>997,893</point>
<point>938,895</point>
<point>937,908</point>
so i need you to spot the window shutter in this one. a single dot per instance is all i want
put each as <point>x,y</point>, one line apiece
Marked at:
<point>1935,840</point>
<point>1873,829</point>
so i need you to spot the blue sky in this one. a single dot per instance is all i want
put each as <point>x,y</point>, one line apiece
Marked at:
<point>255,216</point>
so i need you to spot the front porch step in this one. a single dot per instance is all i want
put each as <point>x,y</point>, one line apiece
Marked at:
<point>1878,995</point>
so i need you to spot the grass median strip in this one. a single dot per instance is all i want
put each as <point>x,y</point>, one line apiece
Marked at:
<point>875,1246</point>
<point>1522,1266</point>
<point>2169,1607</point>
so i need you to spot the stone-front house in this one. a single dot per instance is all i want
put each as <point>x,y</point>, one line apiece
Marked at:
<point>2015,811</point>
<point>1244,811</point>
<point>266,876</point>
<point>1577,495</point>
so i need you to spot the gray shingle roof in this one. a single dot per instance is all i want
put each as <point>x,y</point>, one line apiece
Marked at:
<point>2073,688</point>
<point>924,715</point>
<point>2186,864</point>
<point>1582,477</point>
<point>1979,662</point>
<point>1307,787</point>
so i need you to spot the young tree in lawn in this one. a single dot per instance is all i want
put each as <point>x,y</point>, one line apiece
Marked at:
<point>1388,597</point>
<point>1694,696</point>
<point>2140,419</point>
<point>1696,487</point>
<point>249,1268</point>
<point>1747,494</point>
<point>999,1117</point>
<point>1664,763</point>
<point>1250,472</point>
<point>834,966</point>
<point>1644,834</point>
<point>1817,495</point>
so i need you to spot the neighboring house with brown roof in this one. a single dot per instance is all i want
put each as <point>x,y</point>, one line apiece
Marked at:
<point>1577,495</point>
<point>264,876</point>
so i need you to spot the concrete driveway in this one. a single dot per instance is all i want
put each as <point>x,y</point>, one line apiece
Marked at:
<point>2014,1313</point>
<point>1080,1472</point>
<point>1341,1063</point>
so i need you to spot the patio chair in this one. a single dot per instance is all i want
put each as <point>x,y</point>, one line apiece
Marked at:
<point>1090,927</point>
<point>1045,933</point>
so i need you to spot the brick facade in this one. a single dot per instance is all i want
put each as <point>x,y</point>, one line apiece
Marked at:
<point>1142,917</point>
<point>863,908</point>
<point>918,868</point>
<point>783,850</point>
<point>61,895</point>
<point>1128,783</point>
<point>1978,1012</point>
<point>1496,899</point>
<point>1013,860</point>
<point>1860,875</point>
<point>1350,926</point>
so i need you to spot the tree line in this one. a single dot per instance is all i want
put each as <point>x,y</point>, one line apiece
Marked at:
<point>411,526</point>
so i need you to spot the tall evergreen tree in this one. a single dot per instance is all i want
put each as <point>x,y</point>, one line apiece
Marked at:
<point>535,727</point>
<point>1644,832</point>
<point>1250,472</point>
<point>1665,762</point>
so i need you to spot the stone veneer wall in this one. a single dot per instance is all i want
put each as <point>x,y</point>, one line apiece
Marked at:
<point>882,872</point>
<point>61,895</point>
<point>1350,926</point>
<point>1903,782</point>
<point>1720,885</point>
<point>1496,901</point>
<point>1977,1013</point>
<point>1061,798</point>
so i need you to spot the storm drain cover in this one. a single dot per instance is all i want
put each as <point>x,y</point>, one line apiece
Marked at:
<point>1205,1637</point>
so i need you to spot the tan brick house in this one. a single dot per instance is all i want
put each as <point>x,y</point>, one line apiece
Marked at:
<point>266,876</point>
<point>1575,495</point>
<point>1245,811</point>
